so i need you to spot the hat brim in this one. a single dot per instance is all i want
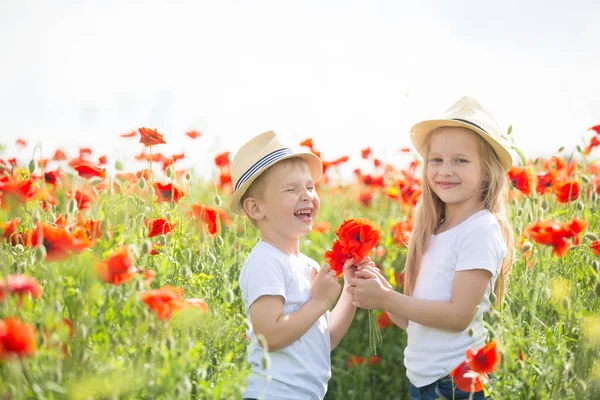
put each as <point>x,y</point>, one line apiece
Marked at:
<point>419,133</point>
<point>314,164</point>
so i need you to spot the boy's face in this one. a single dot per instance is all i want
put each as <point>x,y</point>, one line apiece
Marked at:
<point>289,202</point>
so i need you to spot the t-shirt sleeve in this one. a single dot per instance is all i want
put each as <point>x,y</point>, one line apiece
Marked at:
<point>263,277</point>
<point>481,246</point>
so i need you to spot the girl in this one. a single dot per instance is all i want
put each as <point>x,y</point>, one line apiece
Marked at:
<point>460,248</point>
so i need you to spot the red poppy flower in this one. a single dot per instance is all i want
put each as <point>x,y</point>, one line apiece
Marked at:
<point>465,383</point>
<point>545,180</point>
<point>163,301</point>
<point>555,234</point>
<point>193,134</point>
<point>58,242</point>
<point>225,179</point>
<point>596,129</point>
<point>59,155</point>
<point>130,134</point>
<point>102,160</point>
<point>198,303</point>
<point>167,192</point>
<point>485,359</point>
<point>307,143</point>
<point>520,179</point>
<point>565,191</point>
<point>117,268</point>
<point>336,258</point>
<point>383,321</point>
<point>358,360</point>
<point>159,226</point>
<point>321,226</point>
<point>594,142</point>
<point>53,177</point>
<point>365,197</point>
<point>16,338</point>
<point>373,181</point>
<point>150,137</point>
<point>8,229</point>
<point>21,190</point>
<point>404,150</point>
<point>595,246</point>
<point>88,170</point>
<point>377,162</point>
<point>222,160</point>
<point>93,228</point>
<point>208,216</point>
<point>21,143</point>
<point>21,285</point>
<point>357,237</point>
<point>401,232</point>
<point>83,200</point>
<point>365,153</point>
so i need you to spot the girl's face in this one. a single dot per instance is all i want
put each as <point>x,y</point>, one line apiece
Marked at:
<point>454,168</point>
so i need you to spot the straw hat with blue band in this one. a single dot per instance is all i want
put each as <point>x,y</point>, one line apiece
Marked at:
<point>255,157</point>
<point>465,113</point>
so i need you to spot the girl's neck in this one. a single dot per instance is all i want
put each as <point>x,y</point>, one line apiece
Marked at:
<point>454,216</point>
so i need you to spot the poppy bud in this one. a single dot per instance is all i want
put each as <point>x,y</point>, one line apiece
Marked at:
<point>590,235</point>
<point>544,205</point>
<point>519,212</point>
<point>578,147</point>
<point>229,296</point>
<point>35,219</point>
<point>40,253</point>
<point>262,341</point>
<point>31,167</point>
<point>594,197</point>
<point>566,303</point>
<point>217,200</point>
<point>579,205</point>
<point>162,240</point>
<point>219,241</point>
<point>596,265</point>
<point>185,271</point>
<point>492,298</point>
<point>72,207</point>
<point>142,183</point>
<point>19,247</point>
<point>561,149</point>
<point>188,176</point>
<point>597,289</point>
<point>169,171</point>
<point>119,165</point>
<point>146,247</point>
<point>585,178</point>
<point>211,257</point>
<point>527,246</point>
<point>509,131</point>
<point>471,333</point>
<point>151,191</point>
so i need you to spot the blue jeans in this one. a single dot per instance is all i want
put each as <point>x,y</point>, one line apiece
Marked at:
<point>441,389</point>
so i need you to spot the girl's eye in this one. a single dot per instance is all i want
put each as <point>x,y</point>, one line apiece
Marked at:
<point>461,161</point>
<point>435,160</point>
<point>310,188</point>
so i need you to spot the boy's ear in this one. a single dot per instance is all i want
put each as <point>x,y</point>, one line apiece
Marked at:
<point>253,209</point>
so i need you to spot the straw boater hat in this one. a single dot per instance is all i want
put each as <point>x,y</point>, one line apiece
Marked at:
<point>260,153</point>
<point>465,113</point>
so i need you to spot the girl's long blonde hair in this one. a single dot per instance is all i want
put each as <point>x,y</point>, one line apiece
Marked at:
<point>430,212</point>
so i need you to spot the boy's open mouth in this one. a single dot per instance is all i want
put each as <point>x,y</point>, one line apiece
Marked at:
<point>304,214</point>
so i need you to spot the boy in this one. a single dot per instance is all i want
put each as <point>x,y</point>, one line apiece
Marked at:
<point>285,298</point>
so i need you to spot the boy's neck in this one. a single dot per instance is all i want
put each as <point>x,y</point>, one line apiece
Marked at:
<point>285,245</point>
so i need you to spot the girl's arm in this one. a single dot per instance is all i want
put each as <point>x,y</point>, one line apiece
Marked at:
<point>468,288</point>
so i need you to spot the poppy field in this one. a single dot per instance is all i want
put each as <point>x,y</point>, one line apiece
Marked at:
<point>121,283</point>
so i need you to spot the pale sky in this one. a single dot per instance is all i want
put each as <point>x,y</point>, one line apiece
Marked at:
<point>350,74</point>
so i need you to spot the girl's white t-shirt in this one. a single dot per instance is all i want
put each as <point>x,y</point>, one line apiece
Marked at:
<point>476,243</point>
<point>302,369</point>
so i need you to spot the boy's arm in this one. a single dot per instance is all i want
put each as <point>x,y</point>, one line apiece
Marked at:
<point>279,329</point>
<point>341,317</point>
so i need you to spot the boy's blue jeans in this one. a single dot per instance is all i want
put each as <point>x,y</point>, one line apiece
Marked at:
<point>441,389</point>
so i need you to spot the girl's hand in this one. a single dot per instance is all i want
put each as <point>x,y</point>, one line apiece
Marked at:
<point>369,290</point>
<point>349,271</point>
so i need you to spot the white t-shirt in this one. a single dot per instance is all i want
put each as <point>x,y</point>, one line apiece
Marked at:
<point>302,369</point>
<point>476,243</point>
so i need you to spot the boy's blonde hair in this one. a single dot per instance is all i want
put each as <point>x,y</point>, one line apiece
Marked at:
<point>430,212</point>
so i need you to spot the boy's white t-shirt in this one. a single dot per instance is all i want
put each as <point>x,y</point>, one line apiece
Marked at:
<point>476,243</point>
<point>302,369</point>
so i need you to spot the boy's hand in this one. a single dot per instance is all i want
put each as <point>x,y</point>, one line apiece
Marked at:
<point>349,270</point>
<point>325,288</point>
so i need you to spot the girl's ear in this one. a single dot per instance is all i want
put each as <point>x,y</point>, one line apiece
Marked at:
<point>253,209</point>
